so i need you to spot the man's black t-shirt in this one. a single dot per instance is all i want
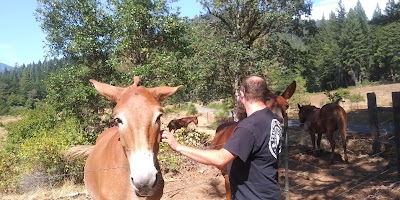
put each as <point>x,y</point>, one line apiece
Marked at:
<point>256,142</point>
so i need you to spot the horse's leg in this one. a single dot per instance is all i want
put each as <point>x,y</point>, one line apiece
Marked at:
<point>342,125</point>
<point>228,192</point>
<point>319,142</point>
<point>312,135</point>
<point>329,135</point>
<point>343,135</point>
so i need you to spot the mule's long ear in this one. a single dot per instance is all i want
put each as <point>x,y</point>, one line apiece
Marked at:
<point>298,105</point>
<point>109,91</point>
<point>289,90</point>
<point>163,92</point>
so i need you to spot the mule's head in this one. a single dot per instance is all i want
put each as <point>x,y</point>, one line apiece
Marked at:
<point>304,113</point>
<point>279,104</point>
<point>137,114</point>
<point>195,120</point>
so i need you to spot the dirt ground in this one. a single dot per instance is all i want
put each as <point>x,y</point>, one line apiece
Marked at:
<point>311,177</point>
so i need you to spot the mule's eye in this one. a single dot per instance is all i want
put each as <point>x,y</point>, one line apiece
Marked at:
<point>118,121</point>
<point>158,120</point>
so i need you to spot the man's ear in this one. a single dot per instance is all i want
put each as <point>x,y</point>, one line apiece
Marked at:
<point>241,94</point>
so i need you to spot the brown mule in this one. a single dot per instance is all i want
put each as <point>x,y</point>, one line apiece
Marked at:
<point>176,124</point>
<point>278,105</point>
<point>327,119</point>
<point>123,163</point>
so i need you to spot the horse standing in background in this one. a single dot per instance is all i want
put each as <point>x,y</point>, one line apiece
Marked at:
<point>123,163</point>
<point>278,104</point>
<point>327,119</point>
<point>176,124</point>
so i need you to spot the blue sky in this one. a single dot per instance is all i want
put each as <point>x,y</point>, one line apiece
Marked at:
<point>22,40</point>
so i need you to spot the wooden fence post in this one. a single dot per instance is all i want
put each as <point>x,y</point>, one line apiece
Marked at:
<point>396,119</point>
<point>373,122</point>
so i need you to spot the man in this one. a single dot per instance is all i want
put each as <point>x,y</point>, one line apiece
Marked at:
<point>252,151</point>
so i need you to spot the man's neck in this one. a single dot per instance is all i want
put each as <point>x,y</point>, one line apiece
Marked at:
<point>253,107</point>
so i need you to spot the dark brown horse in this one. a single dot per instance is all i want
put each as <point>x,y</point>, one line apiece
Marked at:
<point>327,119</point>
<point>176,124</point>
<point>278,105</point>
<point>123,163</point>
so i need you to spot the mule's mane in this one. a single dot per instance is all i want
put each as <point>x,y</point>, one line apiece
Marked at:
<point>189,119</point>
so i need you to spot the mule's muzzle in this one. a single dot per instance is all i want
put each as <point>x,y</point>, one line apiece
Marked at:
<point>148,189</point>
<point>144,190</point>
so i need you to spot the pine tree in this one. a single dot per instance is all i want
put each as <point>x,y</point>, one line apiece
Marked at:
<point>355,50</point>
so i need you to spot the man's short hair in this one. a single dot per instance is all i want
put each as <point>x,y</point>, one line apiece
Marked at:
<point>254,88</point>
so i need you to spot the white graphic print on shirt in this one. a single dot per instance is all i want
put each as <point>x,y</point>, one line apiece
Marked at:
<point>275,137</point>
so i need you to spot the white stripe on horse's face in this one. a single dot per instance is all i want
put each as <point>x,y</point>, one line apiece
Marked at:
<point>143,171</point>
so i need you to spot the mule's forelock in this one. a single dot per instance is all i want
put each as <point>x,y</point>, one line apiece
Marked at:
<point>136,81</point>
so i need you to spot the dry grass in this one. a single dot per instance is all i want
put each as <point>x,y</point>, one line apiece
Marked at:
<point>66,191</point>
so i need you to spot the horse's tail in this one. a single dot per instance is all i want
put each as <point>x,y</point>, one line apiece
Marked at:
<point>78,152</point>
<point>342,126</point>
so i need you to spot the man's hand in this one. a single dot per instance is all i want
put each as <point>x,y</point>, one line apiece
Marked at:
<point>168,138</point>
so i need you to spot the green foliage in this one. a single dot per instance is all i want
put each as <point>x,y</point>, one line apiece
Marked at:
<point>172,161</point>
<point>220,117</point>
<point>42,153</point>
<point>34,120</point>
<point>76,29</point>
<point>191,110</point>
<point>9,175</point>
<point>36,144</point>
<point>299,96</point>
<point>3,107</point>
<point>334,98</point>
<point>343,93</point>
<point>223,111</point>
<point>72,95</point>
<point>23,86</point>
<point>226,105</point>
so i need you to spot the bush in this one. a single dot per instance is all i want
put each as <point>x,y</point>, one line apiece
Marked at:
<point>42,154</point>
<point>343,93</point>
<point>9,175</point>
<point>191,110</point>
<point>36,145</point>
<point>34,120</point>
<point>334,98</point>
<point>170,160</point>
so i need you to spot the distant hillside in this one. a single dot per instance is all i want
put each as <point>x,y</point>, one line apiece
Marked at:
<point>3,67</point>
